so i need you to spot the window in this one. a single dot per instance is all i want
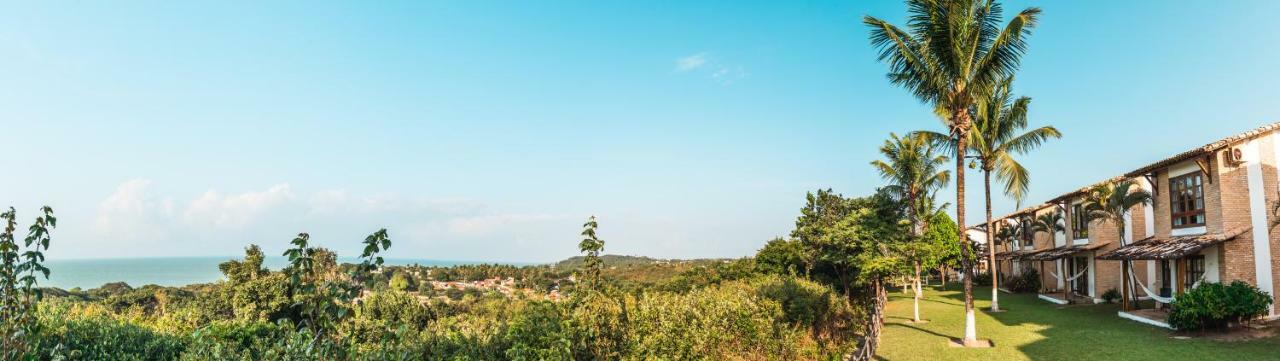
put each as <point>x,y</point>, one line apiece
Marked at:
<point>1079,222</point>
<point>1028,232</point>
<point>1186,193</point>
<point>1195,270</point>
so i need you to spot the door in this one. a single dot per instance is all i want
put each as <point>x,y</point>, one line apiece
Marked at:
<point>1081,284</point>
<point>1166,279</point>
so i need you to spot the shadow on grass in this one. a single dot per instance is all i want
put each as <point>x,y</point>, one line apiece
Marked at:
<point>913,327</point>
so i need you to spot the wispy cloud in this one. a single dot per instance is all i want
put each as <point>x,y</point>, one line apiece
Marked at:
<point>691,62</point>
<point>705,63</point>
<point>136,216</point>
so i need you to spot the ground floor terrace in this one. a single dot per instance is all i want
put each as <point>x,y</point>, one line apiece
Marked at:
<point>1030,329</point>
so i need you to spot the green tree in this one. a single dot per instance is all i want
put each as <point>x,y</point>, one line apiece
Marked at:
<point>243,271</point>
<point>19,329</point>
<point>859,252</point>
<point>399,282</point>
<point>996,139</point>
<point>591,246</point>
<point>780,256</point>
<point>1111,202</point>
<point>950,53</point>
<point>913,170</point>
<point>821,211</point>
<point>943,247</point>
<point>321,300</point>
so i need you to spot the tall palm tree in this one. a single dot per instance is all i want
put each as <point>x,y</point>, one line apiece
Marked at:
<point>997,137</point>
<point>913,168</point>
<point>1110,202</point>
<point>949,53</point>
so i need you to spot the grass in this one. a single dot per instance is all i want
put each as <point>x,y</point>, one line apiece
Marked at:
<point>1032,329</point>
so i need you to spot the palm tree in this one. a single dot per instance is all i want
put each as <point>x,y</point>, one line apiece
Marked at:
<point>1050,223</point>
<point>913,168</point>
<point>1110,202</point>
<point>996,138</point>
<point>950,52</point>
<point>1005,235</point>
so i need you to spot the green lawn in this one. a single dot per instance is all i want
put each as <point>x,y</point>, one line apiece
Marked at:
<point>1032,329</point>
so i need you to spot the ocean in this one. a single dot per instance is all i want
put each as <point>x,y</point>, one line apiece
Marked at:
<point>169,271</point>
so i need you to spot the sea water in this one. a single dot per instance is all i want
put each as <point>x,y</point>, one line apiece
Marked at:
<point>168,271</point>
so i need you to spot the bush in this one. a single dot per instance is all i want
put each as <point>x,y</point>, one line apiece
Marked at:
<point>1111,296</point>
<point>1027,281</point>
<point>1215,306</point>
<point>982,279</point>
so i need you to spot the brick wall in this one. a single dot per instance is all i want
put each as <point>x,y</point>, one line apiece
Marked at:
<point>1227,207</point>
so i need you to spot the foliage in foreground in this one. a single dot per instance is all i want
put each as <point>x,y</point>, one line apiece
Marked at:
<point>766,317</point>
<point>1213,305</point>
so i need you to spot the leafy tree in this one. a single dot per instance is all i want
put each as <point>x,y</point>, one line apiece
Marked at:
<point>399,282</point>
<point>821,211</point>
<point>942,247</point>
<point>591,246</point>
<point>19,330</point>
<point>780,256</point>
<point>243,271</point>
<point>860,251</point>
<point>1110,202</point>
<point>321,301</point>
<point>950,53</point>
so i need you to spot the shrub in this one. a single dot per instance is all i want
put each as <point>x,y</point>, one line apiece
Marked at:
<point>1027,281</point>
<point>1111,296</point>
<point>982,279</point>
<point>1215,306</point>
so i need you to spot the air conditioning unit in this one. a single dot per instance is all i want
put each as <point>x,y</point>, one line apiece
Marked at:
<point>1234,156</point>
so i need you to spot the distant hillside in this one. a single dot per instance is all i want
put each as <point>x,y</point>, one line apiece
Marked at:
<point>610,260</point>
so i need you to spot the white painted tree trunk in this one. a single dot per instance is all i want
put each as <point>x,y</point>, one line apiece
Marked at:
<point>970,330</point>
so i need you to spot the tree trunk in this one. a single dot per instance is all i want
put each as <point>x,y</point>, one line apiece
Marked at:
<point>991,249</point>
<point>966,258</point>
<point>942,274</point>
<point>875,322</point>
<point>918,291</point>
<point>1125,280</point>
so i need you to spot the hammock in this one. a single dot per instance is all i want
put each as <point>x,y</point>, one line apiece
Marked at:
<point>1152,295</point>
<point>1073,278</point>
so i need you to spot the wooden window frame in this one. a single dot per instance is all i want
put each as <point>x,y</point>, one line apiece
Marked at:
<point>1174,200</point>
<point>1079,222</point>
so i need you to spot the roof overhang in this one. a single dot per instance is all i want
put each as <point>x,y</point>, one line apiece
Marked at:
<point>1062,252</point>
<point>1158,248</point>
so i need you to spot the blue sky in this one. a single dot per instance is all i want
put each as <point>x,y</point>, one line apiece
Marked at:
<point>491,130</point>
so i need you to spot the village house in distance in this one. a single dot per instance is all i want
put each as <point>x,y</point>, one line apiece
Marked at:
<point>1210,220</point>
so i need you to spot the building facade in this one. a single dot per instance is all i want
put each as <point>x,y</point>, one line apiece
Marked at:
<point>1210,220</point>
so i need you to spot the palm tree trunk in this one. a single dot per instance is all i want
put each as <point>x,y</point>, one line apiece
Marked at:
<point>991,249</point>
<point>1126,281</point>
<point>970,326</point>
<point>916,285</point>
